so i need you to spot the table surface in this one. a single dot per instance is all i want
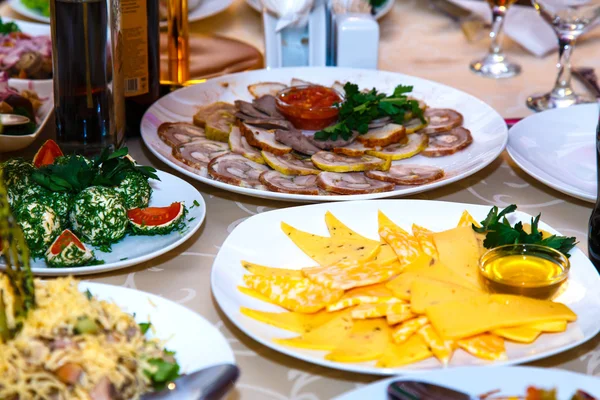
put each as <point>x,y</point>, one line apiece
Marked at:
<point>414,41</point>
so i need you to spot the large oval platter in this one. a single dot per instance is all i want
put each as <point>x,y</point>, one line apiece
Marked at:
<point>487,127</point>
<point>260,240</point>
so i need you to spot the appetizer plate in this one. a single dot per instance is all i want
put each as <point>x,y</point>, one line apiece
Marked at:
<point>380,12</point>
<point>486,125</point>
<point>260,240</point>
<point>197,343</point>
<point>558,148</point>
<point>43,88</point>
<point>511,381</point>
<point>134,250</point>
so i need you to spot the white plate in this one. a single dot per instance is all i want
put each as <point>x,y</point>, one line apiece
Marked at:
<point>558,148</point>
<point>204,9</point>
<point>259,239</point>
<point>513,381</point>
<point>381,11</point>
<point>487,127</point>
<point>134,250</point>
<point>197,343</point>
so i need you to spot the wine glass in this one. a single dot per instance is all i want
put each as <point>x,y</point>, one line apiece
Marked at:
<point>569,18</point>
<point>495,64</point>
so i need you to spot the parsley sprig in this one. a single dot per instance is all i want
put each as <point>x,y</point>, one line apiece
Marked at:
<point>360,108</point>
<point>499,232</point>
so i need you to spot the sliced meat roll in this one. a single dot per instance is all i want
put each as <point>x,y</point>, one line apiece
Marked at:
<point>332,162</point>
<point>332,144</point>
<point>263,88</point>
<point>299,82</point>
<point>416,143</point>
<point>408,174</point>
<point>289,164</point>
<point>176,134</point>
<point>265,123</point>
<point>355,149</point>
<point>263,139</point>
<point>386,135</point>
<point>268,105</point>
<point>239,145</point>
<point>278,182</point>
<point>206,111</point>
<point>441,120</point>
<point>447,143</point>
<point>296,140</point>
<point>197,154</point>
<point>352,183</point>
<point>236,170</point>
<point>414,125</point>
<point>380,122</point>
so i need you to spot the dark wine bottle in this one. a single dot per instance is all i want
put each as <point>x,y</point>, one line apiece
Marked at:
<point>141,59</point>
<point>594,225</point>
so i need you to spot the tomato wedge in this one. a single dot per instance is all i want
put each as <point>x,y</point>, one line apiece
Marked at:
<point>66,238</point>
<point>47,154</point>
<point>154,216</point>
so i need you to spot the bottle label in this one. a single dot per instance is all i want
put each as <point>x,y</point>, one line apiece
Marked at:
<point>134,19</point>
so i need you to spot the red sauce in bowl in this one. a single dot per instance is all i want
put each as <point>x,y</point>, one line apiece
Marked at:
<point>309,107</point>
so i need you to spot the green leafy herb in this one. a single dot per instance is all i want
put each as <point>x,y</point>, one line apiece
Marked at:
<point>162,372</point>
<point>144,326</point>
<point>8,27</point>
<point>195,204</point>
<point>499,232</point>
<point>88,294</point>
<point>360,108</point>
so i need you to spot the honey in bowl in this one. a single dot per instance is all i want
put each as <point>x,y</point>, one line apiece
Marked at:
<point>523,269</point>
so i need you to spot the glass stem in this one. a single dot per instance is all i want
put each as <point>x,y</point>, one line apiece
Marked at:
<point>562,87</point>
<point>498,14</point>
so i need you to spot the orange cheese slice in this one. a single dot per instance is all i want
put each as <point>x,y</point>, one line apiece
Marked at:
<point>441,349</point>
<point>466,219</point>
<point>294,294</point>
<point>407,329</point>
<point>270,271</point>
<point>325,337</point>
<point>367,341</point>
<point>521,334</point>
<point>350,274</point>
<point>411,351</point>
<point>393,319</point>
<point>425,238</point>
<point>371,294</point>
<point>486,346</point>
<point>291,321</point>
<point>427,292</point>
<point>380,310</point>
<point>253,293</point>
<point>406,246</point>
<point>549,326</point>
<point>458,249</point>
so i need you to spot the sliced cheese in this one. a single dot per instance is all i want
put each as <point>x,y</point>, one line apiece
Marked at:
<point>467,220</point>
<point>425,238</point>
<point>270,271</point>
<point>408,328</point>
<point>253,293</point>
<point>441,349</point>
<point>377,293</point>
<point>337,230</point>
<point>486,346</point>
<point>367,341</point>
<point>394,319</point>
<point>291,321</point>
<point>459,250</point>
<point>350,274</point>
<point>325,337</point>
<point>406,246</point>
<point>366,311</point>
<point>521,334</point>
<point>411,351</point>
<point>549,326</point>
<point>427,292</point>
<point>483,313</point>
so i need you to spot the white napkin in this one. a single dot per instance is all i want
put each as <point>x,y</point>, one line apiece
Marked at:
<point>289,12</point>
<point>523,25</point>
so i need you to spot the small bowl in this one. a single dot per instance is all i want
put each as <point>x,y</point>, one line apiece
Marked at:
<point>524,269</point>
<point>307,118</point>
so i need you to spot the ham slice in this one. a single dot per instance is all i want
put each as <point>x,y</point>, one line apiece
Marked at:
<point>278,182</point>
<point>416,143</point>
<point>204,112</point>
<point>441,120</point>
<point>383,136</point>
<point>263,88</point>
<point>268,105</point>
<point>239,145</point>
<point>332,162</point>
<point>332,144</point>
<point>408,174</point>
<point>444,144</point>
<point>355,149</point>
<point>198,154</point>
<point>236,170</point>
<point>290,164</point>
<point>178,133</point>
<point>351,183</point>
<point>263,139</point>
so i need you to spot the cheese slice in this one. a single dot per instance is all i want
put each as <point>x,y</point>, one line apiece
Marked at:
<point>294,294</point>
<point>350,274</point>
<point>366,311</point>
<point>386,255</point>
<point>371,294</point>
<point>407,329</point>
<point>467,220</point>
<point>406,246</point>
<point>521,334</point>
<point>486,346</point>
<point>253,293</point>
<point>367,341</point>
<point>337,230</point>
<point>394,319</point>
<point>411,351</point>
<point>549,326</point>
<point>441,349</point>
<point>459,250</point>
<point>270,271</point>
<point>325,337</point>
<point>425,238</point>
<point>291,321</point>
<point>427,292</point>
<point>483,313</point>
<point>328,251</point>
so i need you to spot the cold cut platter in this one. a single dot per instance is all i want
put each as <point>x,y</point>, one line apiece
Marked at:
<point>323,134</point>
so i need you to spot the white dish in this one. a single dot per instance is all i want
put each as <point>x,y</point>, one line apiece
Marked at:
<point>381,11</point>
<point>511,381</point>
<point>134,250</point>
<point>198,343</point>
<point>259,239</point>
<point>203,9</point>
<point>558,148</point>
<point>487,126</point>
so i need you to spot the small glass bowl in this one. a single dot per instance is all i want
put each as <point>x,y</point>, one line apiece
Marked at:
<point>524,269</point>
<point>308,118</point>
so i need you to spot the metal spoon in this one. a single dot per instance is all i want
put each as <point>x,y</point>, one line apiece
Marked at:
<point>412,390</point>
<point>13,119</point>
<point>210,383</point>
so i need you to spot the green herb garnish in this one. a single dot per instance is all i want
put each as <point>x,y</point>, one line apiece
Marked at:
<point>360,108</point>
<point>498,232</point>
<point>144,327</point>
<point>8,27</point>
<point>88,294</point>
<point>162,372</point>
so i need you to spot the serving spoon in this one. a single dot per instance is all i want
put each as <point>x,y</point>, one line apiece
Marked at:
<point>13,119</point>
<point>413,390</point>
<point>210,383</point>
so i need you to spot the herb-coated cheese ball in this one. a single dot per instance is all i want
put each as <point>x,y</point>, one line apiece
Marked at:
<point>64,160</point>
<point>135,190</point>
<point>40,225</point>
<point>17,178</point>
<point>98,216</point>
<point>60,202</point>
